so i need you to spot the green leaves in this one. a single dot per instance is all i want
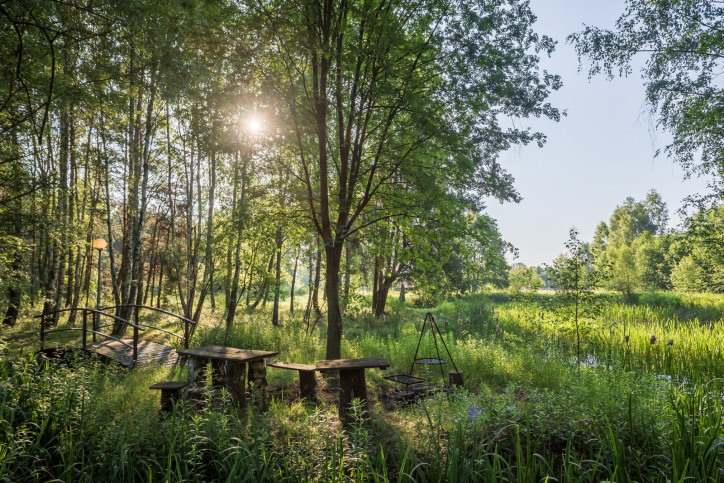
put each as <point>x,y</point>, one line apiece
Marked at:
<point>682,41</point>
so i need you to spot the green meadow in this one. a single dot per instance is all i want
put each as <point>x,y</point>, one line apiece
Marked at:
<point>630,410</point>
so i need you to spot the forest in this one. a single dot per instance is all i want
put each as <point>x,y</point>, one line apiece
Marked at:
<point>312,178</point>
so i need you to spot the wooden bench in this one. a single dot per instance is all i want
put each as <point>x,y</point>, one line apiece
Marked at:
<point>307,376</point>
<point>170,393</point>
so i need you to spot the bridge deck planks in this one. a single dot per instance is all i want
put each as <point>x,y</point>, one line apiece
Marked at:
<point>148,352</point>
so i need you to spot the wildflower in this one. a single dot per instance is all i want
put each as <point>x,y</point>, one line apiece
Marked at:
<point>474,412</point>
<point>625,338</point>
<point>653,339</point>
<point>670,343</point>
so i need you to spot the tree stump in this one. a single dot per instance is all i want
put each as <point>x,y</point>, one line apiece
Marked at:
<point>456,378</point>
<point>257,377</point>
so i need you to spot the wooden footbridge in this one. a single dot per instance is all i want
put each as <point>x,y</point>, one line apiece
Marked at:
<point>127,351</point>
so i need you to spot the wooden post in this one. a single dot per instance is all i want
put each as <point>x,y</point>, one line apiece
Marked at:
<point>96,324</point>
<point>456,378</point>
<point>352,384</point>
<point>135,346</point>
<point>186,334</point>
<point>85,328</point>
<point>135,336</point>
<point>308,384</point>
<point>42,331</point>
<point>257,375</point>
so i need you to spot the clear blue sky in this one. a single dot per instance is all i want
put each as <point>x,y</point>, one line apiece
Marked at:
<point>595,157</point>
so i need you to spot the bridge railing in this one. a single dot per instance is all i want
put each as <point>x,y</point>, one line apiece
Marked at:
<point>187,322</point>
<point>95,331</point>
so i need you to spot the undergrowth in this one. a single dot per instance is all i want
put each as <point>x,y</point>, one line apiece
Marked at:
<point>633,411</point>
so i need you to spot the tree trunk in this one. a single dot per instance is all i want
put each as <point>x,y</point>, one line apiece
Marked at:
<point>264,287</point>
<point>277,278</point>
<point>111,253</point>
<point>347,272</point>
<point>14,293</point>
<point>315,290</point>
<point>375,285</point>
<point>334,310</point>
<point>233,299</point>
<point>210,227</point>
<point>294,280</point>
<point>382,291</point>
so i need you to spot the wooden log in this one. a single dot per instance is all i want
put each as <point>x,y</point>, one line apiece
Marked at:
<point>257,377</point>
<point>352,385</point>
<point>197,371</point>
<point>456,378</point>
<point>218,373</point>
<point>308,384</point>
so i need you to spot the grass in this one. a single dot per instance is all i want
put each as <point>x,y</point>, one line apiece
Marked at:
<point>633,412</point>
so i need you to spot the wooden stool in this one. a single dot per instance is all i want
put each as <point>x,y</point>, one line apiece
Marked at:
<point>307,376</point>
<point>456,378</point>
<point>170,393</point>
<point>352,383</point>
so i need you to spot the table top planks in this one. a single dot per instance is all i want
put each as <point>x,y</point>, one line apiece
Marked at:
<point>291,365</point>
<point>346,364</point>
<point>223,353</point>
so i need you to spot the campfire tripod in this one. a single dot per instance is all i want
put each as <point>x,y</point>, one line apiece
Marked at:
<point>408,379</point>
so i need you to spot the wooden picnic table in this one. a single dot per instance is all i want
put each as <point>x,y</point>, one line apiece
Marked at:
<point>229,369</point>
<point>352,382</point>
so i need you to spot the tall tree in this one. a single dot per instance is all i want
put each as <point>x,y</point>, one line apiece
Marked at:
<point>377,88</point>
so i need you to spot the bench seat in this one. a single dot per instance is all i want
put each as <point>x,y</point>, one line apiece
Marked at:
<point>307,376</point>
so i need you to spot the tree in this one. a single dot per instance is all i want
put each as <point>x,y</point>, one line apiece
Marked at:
<point>683,43</point>
<point>382,93</point>
<point>624,275</point>
<point>575,282</point>
<point>686,276</point>
<point>626,248</point>
<point>650,258</point>
<point>525,278</point>
<point>705,242</point>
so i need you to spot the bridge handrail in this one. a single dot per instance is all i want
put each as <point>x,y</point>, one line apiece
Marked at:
<point>162,330</point>
<point>186,321</point>
<point>93,332</point>
<point>84,309</point>
<point>85,329</point>
<point>190,321</point>
<point>136,326</point>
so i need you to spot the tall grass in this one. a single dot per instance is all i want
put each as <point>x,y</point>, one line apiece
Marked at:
<point>528,413</point>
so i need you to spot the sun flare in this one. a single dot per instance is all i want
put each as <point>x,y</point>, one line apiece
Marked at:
<point>252,125</point>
